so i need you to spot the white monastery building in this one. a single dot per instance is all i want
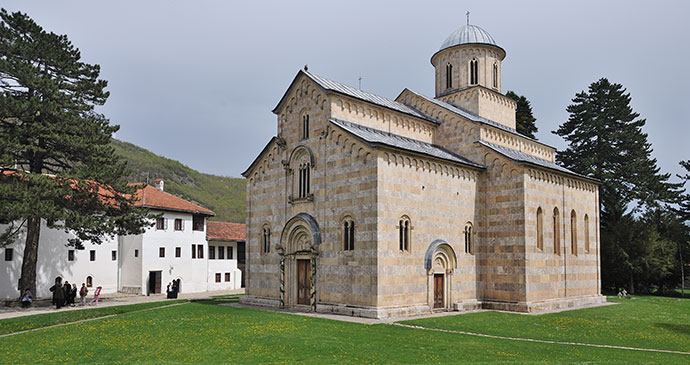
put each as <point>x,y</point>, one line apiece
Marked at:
<point>175,248</point>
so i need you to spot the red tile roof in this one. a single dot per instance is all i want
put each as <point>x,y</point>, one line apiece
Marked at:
<point>150,197</point>
<point>225,231</point>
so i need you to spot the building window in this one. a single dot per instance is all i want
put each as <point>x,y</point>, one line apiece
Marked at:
<point>304,180</point>
<point>92,255</point>
<point>217,277</point>
<point>404,228</point>
<point>573,232</point>
<point>495,75</point>
<point>305,126</point>
<point>586,233</point>
<point>230,253</point>
<point>113,255</point>
<point>161,223</point>
<point>227,276</point>
<point>179,225</point>
<point>136,253</point>
<point>89,281</point>
<point>540,229</point>
<point>200,251</point>
<point>198,223</point>
<point>221,252</point>
<point>468,238</point>
<point>70,255</point>
<point>193,251</point>
<point>9,254</point>
<point>474,72</point>
<point>161,252</point>
<point>348,234</point>
<point>178,251</point>
<point>449,76</point>
<point>556,232</point>
<point>266,241</point>
<point>212,253</point>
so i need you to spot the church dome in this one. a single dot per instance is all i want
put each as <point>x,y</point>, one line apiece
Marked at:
<point>468,34</point>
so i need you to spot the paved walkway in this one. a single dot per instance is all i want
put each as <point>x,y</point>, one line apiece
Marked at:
<point>109,300</point>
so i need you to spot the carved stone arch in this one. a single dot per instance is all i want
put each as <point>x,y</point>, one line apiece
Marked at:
<point>298,153</point>
<point>440,262</point>
<point>408,162</point>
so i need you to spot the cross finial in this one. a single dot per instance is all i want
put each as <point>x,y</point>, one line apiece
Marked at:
<point>306,68</point>
<point>360,82</point>
<point>468,17</point>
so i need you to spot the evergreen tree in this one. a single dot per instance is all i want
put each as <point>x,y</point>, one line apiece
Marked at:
<point>606,142</point>
<point>684,201</point>
<point>56,163</point>
<point>525,122</point>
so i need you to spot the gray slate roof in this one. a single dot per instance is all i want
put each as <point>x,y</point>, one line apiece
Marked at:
<point>375,137</point>
<point>330,85</point>
<point>518,156</point>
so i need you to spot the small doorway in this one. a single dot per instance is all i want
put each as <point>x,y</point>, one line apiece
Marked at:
<point>438,290</point>
<point>154,282</point>
<point>303,282</point>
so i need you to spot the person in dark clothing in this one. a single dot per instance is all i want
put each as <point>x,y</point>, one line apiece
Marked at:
<point>67,290</point>
<point>168,291</point>
<point>73,295</point>
<point>175,288</point>
<point>58,293</point>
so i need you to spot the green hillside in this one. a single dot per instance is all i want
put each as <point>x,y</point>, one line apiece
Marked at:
<point>223,195</point>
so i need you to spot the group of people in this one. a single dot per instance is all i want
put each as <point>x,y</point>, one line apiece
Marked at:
<point>173,288</point>
<point>65,294</point>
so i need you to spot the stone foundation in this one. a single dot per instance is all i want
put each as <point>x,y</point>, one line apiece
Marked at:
<point>545,305</point>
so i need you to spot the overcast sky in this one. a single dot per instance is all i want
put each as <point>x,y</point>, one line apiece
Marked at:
<point>196,80</point>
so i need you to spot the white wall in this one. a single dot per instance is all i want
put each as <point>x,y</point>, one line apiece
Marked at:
<point>191,272</point>
<point>52,262</point>
<point>226,265</point>
<point>130,262</point>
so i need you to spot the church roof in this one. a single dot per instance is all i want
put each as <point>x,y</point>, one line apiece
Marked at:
<point>522,157</point>
<point>374,137</point>
<point>333,86</point>
<point>474,117</point>
<point>468,34</point>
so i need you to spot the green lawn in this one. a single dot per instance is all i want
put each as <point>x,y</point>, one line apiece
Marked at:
<point>48,319</point>
<point>209,333</point>
<point>645,321</point>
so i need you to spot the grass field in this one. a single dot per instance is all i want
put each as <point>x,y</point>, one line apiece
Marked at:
<point>207,332</point>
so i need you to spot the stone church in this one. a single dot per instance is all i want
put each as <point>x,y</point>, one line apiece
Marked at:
<point>372,207</point>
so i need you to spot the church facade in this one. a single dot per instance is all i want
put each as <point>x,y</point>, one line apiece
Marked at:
<point>367,206</point>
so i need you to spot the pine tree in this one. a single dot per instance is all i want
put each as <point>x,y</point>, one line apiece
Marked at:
<point>684,201</point>
<point>606,142</point>
<point>525,122</point>
<point>56,163</point>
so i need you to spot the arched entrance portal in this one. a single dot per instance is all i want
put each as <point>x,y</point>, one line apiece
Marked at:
<point>298,250</point>
<point>440,262</point>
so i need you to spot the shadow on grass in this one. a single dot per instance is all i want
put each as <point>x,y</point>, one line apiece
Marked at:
<point>680,328</point>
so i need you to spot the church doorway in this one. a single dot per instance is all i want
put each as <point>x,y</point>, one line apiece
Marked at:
<point>438,290</point>
<point>303,282</point>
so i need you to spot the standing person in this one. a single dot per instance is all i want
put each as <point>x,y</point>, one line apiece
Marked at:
<point>95,295</point>
<point>175,288</point>
<point>168,291</point>
<point>83,292</point>
<point>58,293</point>
<point>73,294</point>
<point>27,298</point>
<point>66,289</point>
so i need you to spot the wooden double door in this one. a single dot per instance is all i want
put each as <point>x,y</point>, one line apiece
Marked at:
<point>438,290</point>
<point>303,281</point>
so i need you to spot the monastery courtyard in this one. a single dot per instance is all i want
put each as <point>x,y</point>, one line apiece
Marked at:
<point>218,329</point>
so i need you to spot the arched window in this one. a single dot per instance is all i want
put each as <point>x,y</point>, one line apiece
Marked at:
<point>556,232</point>
<point>304,180</point>
<point>305,126</point>
<point>468,239</point>
<point>495,73</point>
<point>89,281</point>
<point>404,228</point>
<point>449,76</point>
<point>586,233</point>
<point>474,71</point>
<point>348,234</point>
<point>540,229</point>
<point>266,240</point>
<point>573,232</point>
